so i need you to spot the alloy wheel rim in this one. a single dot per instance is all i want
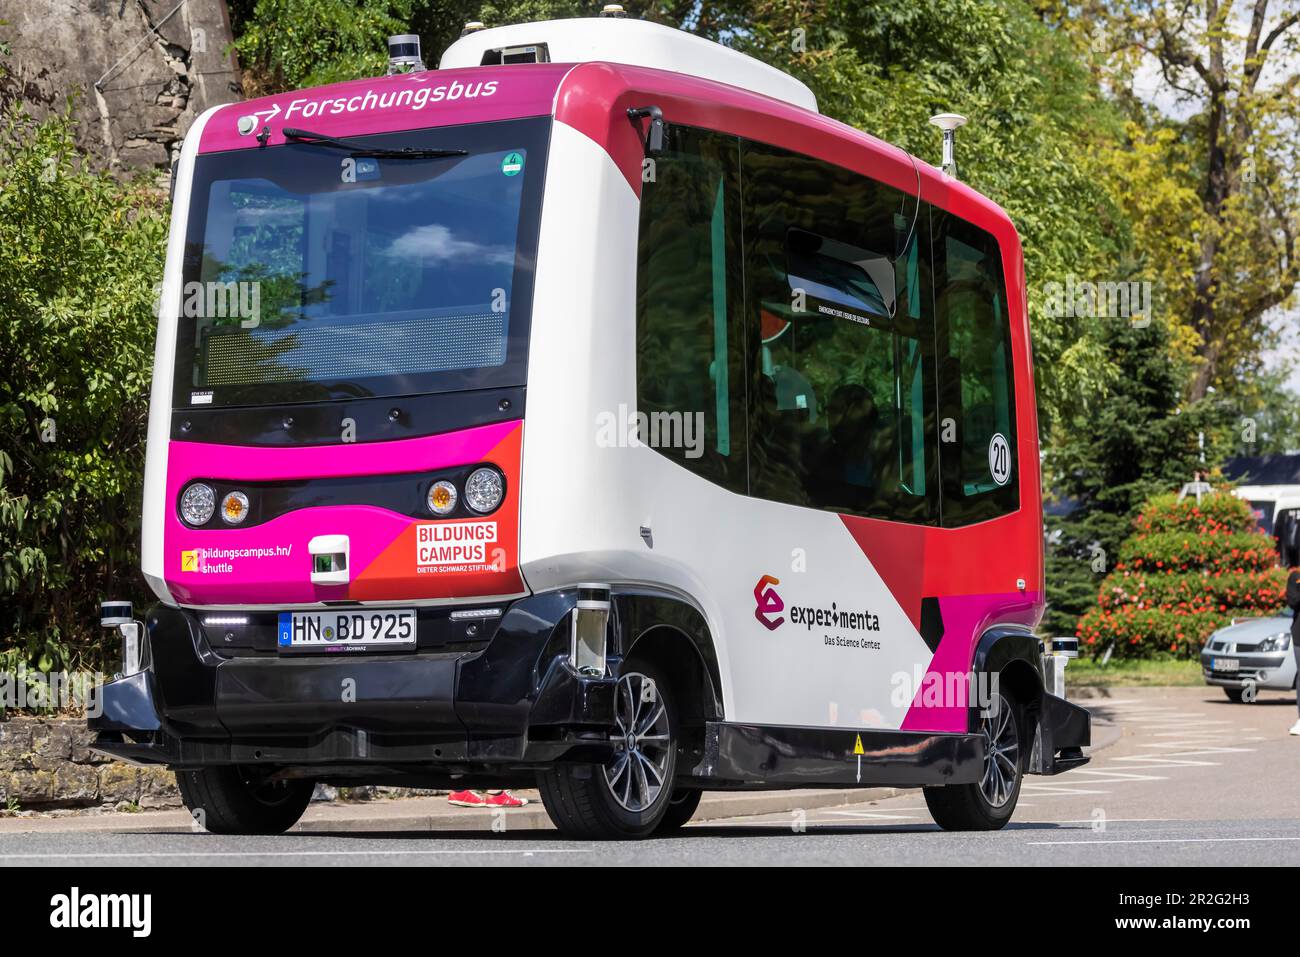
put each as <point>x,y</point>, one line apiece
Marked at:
<point>1001,753</point>
<point>638,772</point>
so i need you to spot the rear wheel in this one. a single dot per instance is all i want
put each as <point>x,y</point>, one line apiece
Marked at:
<point>989,804</point>
<point>235,800</point>
<point>627,797</point>
<point>681,808</point>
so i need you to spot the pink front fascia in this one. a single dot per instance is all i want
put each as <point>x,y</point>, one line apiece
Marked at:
<point>269,563</point>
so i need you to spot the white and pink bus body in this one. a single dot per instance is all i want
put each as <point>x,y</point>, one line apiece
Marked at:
<point>749,415</point>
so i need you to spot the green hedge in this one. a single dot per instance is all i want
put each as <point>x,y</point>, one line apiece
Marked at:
<point>1134,632</point>
<point>1255,591</point>
<point>1188,569</point>
<point>79,256</point>
<point>1172,552</point>
<point>1213,514</point>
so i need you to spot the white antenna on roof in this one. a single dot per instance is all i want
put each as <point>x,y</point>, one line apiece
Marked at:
<point>949,123</point>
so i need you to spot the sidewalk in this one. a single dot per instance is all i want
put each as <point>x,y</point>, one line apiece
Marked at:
<point>435,814</point>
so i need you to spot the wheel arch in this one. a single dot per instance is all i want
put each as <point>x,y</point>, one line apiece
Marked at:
<point>1014,655</point>
<point>674,634</point>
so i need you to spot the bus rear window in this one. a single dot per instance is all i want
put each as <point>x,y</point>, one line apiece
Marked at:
<point>312,274</point>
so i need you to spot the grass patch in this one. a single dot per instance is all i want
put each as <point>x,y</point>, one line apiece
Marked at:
<point>1129,673</point>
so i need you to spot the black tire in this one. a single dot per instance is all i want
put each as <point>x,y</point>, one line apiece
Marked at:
<point>234,800</point>
<point>967,807</point>
<point>1238,696</point>
<point>580,800</point>
<point>681,808</point>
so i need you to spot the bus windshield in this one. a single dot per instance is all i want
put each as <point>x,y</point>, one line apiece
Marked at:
<point>314,273</point>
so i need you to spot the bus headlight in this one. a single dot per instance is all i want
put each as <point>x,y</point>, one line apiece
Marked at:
<point>234,508</point>
<point>442,498</point>
<point>484,490</point>
<point>198,502</point>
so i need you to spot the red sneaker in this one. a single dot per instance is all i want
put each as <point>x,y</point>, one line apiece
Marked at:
<point>467,799</point>
<point>505,799</point>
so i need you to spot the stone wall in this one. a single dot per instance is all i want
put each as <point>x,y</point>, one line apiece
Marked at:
<point>137,91</point>
<point>46,763</point>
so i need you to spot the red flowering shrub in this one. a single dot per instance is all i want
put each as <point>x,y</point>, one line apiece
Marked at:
<point>1188,569</point>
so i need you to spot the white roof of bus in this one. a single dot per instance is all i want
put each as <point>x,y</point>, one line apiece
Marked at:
<point>635,43</point>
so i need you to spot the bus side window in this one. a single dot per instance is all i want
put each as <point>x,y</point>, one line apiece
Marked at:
<point>689,337</point>
<point>841,392</point>
<point>980,474</point>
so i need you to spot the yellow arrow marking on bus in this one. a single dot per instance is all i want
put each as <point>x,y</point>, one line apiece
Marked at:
<point>857,746</point>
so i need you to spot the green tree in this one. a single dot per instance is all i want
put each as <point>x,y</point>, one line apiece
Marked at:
<point>1142,439</point>
<point>81,255</point>
<point>290,44</point>
<point>1230,70</point>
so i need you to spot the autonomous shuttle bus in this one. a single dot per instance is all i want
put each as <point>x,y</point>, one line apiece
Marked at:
<point>588,411</point>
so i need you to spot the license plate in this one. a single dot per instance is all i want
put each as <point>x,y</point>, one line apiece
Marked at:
<point>1224,664</point>
<point>341,630</point>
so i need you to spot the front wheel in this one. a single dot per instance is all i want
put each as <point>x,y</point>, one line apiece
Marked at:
<point>235,800</point>
<point>988,805</point>
<point>1239,695</point>
<point>627,797</point>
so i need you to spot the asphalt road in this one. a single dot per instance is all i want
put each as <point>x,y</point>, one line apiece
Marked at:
<point>1178,777</point>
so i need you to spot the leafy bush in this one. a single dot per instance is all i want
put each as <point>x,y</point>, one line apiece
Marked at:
<point>1262,592</point>
<point>1168,552</point>
<point>1211,515</point>
<point>80,256</point>
<point>1188,569</point>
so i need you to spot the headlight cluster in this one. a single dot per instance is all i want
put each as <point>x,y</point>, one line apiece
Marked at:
<point>483,491</point>
<point>1279,642</point>
<point>199,503</point>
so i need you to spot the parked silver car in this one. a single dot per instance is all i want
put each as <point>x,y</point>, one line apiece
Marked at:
<point>1252,654</point>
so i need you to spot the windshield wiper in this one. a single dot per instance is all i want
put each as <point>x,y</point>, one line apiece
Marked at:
<point>360,149</point>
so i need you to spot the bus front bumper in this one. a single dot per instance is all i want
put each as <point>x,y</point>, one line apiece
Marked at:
<point>514,702</point>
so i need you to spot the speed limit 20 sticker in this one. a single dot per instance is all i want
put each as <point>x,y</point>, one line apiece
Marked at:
<point>1000,459</point>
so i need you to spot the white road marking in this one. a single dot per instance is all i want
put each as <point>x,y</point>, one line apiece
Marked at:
<point>408,853</point>
<point>1116,820</point>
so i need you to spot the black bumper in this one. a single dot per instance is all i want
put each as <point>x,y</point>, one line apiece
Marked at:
<point>510,699</point>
